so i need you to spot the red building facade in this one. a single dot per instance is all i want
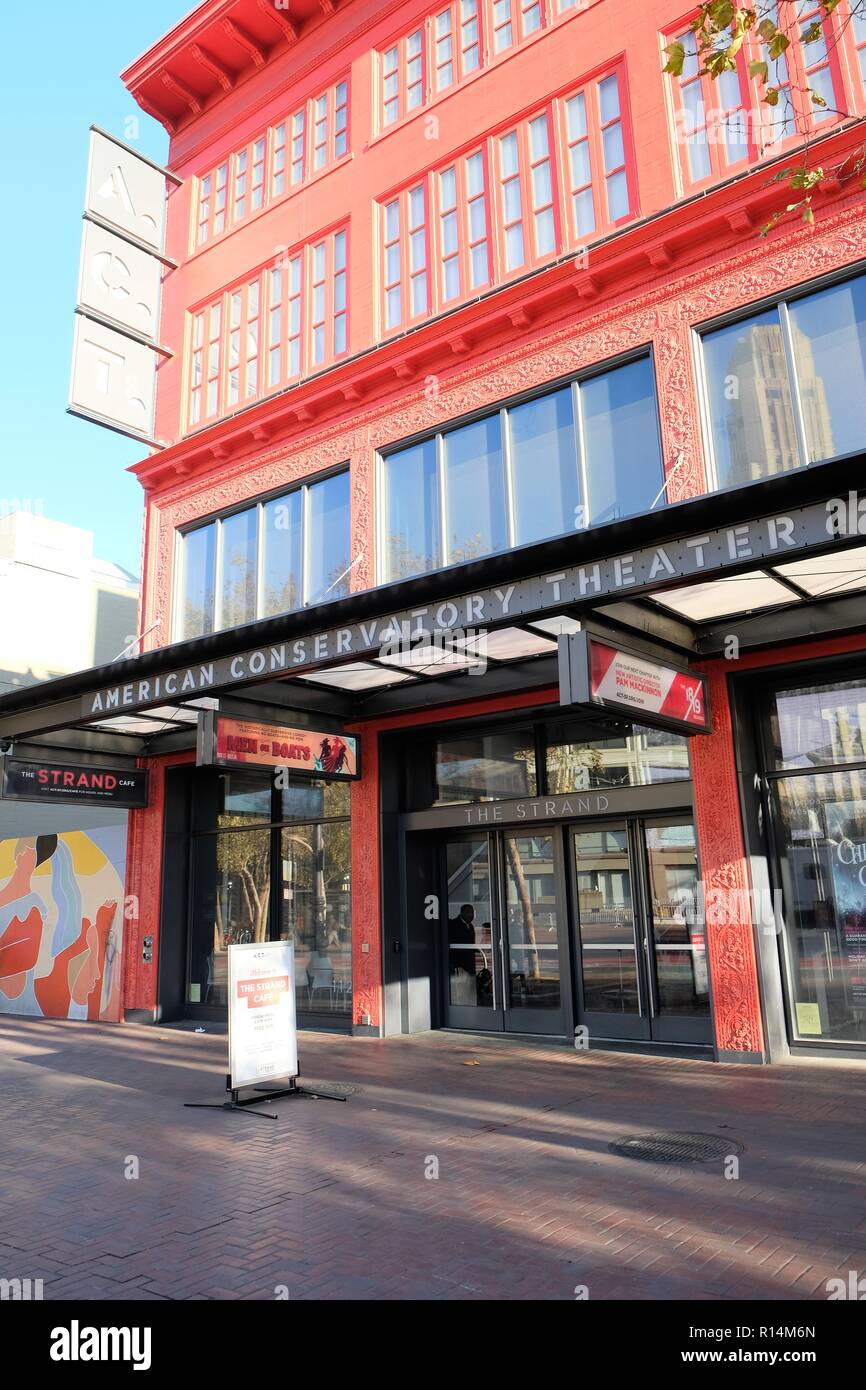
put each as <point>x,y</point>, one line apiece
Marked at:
<point>469,295</point>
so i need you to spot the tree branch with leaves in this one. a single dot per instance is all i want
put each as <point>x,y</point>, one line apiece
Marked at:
<point>721,29</point>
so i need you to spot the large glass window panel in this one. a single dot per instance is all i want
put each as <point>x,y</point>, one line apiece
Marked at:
<point>231,907</point>
<point>475,491</point>
<point>818,725</point>
<point>238,572</point>
<point>485,768</point>
<point>678,938</point>
<point>582,756</point>
<point>749,399</point>
<point>621,438</point>
<point>822,829</point>
<point>282,537</point>
<point>411,541</point>
<point>609,971</point>
<point>531,922</point>
<point>828,332</point>
<point>328,539</point>
<point>243,799</point>
<point>316,913</point>
<point>196,599</point>
<point>471,967</point>
<point>305,799</point>
<point>544,473</point>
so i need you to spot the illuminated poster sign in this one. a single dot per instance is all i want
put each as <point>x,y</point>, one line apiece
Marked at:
<point>82,785</point>
<point>628,682</point>
<point>243,742</point>
<point>263,1035</point>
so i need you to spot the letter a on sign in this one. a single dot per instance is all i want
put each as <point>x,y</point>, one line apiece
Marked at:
<point>125,191</point>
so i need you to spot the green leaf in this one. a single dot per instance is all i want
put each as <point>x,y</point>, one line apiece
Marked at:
<point>721,12</point>
<point>676,57</point>
<point>771,96</point>
<point>778,44</point>
<point>808,215</point>
<point>759,69</point>
<point>767,30</point>
<point>817,99</point>
<point>813,32</point>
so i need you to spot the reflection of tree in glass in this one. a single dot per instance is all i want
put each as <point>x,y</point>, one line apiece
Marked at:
<point>282,597</point>
<point>403,561</point>
<point>244,887</point>
<point>571,766</point>
<point>318,860</point>
<point>470,549</point>
<point>238,589</point>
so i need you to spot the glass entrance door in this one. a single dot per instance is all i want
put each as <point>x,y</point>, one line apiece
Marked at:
<point>503,941</point>
<point>642,968</point>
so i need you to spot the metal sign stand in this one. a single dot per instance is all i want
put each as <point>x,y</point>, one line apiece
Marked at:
<point>242,1103</point>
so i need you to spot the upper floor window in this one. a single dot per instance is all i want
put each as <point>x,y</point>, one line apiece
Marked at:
<point>525,473</point>
<point>288,552</point>
<point>315,136</point>
<point>711,116</point>
<point>498,209</point>
<point>780,385</point>
<point>281,324</point>
<point>456,39</point>
<point>721,123</point>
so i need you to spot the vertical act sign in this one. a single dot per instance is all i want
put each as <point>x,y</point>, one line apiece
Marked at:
<point>263,1035</point>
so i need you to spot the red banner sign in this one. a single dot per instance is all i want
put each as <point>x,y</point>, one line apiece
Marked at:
<point>631,681</point>
<point>274,745</point>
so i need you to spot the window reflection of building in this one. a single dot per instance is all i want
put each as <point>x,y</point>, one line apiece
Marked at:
<point>760,429</point>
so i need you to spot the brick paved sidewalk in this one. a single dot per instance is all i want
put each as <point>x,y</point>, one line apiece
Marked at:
<point>332,1200</point>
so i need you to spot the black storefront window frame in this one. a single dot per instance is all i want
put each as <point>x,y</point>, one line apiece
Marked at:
<point>756,766</point>
<point>541,721</point>
<point>204,827</point>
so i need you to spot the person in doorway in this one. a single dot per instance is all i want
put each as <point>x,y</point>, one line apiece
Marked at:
<point>461,963</point>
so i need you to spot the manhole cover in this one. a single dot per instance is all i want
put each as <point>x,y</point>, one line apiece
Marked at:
<point>676,1148</point>
<point>330,1088</point>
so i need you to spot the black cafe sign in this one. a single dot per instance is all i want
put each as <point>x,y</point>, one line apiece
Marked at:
<point>772,539</point>
<point>122,788</point>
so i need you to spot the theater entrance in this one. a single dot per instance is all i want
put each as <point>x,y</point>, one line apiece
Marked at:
<point>595,924</point>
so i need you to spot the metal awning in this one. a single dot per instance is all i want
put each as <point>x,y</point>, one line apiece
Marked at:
<point>763,560</point>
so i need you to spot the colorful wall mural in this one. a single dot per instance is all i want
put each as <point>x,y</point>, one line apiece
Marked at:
<point>61,924</point>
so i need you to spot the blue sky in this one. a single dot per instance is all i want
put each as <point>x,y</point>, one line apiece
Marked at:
<point>61,76</point>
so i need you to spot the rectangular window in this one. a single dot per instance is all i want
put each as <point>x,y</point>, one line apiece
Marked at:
<point>470,42</point>
<point>443,67</point>
<point>197,368</point>
<point>278,163</point>
<point>403,77</point>
<point>299,146</point>
<point>526,194</point>
<point>526,473</point>
<point>710,117</point>
<point>404,241</point>
<point>221,186</point>
<point>303,538</point>
<point>257,186</point>
<point>240,163</point>
<point>320,131</point>
<point>275,326</point>
<point>238,569</point>
<point>779,385</point>
<point>503,25</point>
<point>251,367</point>
<point>234,353</point>
<point>293,365</point>
<point>214,355</point>
<point>858,31</point>
<point>462,227</point>
<point>341,119</point>
<point>599,163</point>
<point>204,192</point>
<point>197,583</point>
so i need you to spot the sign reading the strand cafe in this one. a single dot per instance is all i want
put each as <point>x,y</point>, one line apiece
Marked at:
<point>772,539</point>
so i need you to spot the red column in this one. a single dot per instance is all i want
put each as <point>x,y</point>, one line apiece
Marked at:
<point>144,844</point>
<point>366,888</point>
<point>730,937</point>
